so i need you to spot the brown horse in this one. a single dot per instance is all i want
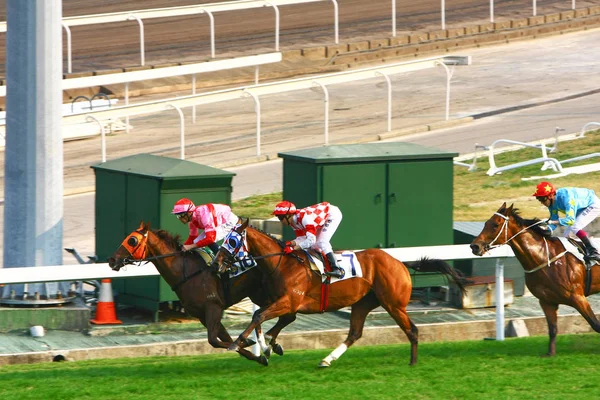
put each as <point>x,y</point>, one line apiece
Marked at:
<point>552,275</point>
<point>201,292</point>
<point>385,281</point>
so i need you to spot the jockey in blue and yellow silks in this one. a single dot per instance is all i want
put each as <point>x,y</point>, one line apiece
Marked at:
<point>580,206</point>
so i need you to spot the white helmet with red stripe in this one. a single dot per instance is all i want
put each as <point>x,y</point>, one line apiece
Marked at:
<point>284,208</point>
<point>183,205</point>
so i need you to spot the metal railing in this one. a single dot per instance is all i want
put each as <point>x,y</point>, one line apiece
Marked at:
<point>90,272</point>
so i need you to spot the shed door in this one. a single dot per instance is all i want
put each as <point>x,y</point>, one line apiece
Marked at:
<point>420,203</point>
<point>359,191</point>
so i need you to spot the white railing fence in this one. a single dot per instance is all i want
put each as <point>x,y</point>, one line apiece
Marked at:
<point>209,9</point>
<point>546,161</point>
<point>258,90</point>
<point>87,272</point>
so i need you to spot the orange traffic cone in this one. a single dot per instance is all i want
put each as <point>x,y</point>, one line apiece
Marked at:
<point>105,308</point>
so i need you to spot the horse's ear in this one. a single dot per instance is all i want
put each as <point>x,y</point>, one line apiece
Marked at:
<point>144,226</point>
<point>511,207</point>
<point>502,207</point>
<point>245,223</point>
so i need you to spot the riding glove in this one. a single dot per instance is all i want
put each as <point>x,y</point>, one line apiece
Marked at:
<point>288,249</point>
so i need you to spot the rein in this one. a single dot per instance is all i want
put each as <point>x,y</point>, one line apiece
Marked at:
<point>505,230</point>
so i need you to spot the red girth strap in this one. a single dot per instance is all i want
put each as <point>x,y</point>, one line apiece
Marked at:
<point>325,286</point>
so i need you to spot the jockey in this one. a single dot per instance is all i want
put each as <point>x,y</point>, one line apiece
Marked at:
<point>314,226</point>
<point>216,220</point>
<point>580,207</point>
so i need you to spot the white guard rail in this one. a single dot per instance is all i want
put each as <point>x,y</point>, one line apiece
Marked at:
<point>82,272</point>
<point>270,88</point>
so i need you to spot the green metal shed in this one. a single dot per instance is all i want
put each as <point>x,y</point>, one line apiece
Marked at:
<point>145,187</point>
<point>391,194</point>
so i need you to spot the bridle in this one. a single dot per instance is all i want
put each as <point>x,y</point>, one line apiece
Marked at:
<point>504,229</point>
<point>137,246</point>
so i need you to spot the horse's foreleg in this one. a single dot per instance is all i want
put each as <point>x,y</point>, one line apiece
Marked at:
<point>218,337</point>
<point>581,304</point>
<point>271,335</point>
<point>276,309</point>
<point>551,313</point>
<point>357,322</point>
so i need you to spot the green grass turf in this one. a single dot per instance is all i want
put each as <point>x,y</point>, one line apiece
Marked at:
<point>513,369</point>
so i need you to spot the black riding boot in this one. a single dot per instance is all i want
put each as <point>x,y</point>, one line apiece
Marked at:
<point>591,251</point>
<point>336,271</point>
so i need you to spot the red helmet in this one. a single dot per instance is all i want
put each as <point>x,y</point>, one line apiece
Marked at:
<point>544,189</point>
<point>183,205</point>
<point>284,208</point>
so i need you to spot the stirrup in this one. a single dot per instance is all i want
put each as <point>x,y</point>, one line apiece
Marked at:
<point>595,256</point>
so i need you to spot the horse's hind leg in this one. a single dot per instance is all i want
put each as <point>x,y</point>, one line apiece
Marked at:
<point>551,313</point>
<point>360,309</point>
<point>398,312</point>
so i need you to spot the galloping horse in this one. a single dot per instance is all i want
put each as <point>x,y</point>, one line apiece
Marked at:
<point>385,281</point>
<point>552,274</point>
<point>202,293</point>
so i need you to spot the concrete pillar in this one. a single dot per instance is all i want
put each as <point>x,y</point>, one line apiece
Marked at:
<point>33,204</point>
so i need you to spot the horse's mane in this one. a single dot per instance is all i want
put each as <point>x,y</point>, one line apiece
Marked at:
<point>175,243</point>
<point>523,222</point>
<point>278,241</point>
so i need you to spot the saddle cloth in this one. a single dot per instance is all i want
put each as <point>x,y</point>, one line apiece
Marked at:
<point>576,248</point>
<point>346,260</point>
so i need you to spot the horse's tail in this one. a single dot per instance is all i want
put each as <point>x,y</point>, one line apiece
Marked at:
<point>436,265</point>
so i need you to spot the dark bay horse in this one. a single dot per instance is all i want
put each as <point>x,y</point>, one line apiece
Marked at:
<point>551,274</point>
<point>385,281</point>
<point>201,292</point>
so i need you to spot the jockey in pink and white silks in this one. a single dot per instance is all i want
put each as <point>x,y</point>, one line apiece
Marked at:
<point>314,227</point>
<point>215,221</point>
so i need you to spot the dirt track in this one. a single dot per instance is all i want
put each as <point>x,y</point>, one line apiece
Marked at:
<point>168,40</point>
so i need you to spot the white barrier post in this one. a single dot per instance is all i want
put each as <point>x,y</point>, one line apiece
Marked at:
<point>499,299</point>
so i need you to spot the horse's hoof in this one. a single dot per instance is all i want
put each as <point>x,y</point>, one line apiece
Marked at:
<point>324,364</point>
<point>233,347</point>
<point>278,349</point>
<point>263,360</point>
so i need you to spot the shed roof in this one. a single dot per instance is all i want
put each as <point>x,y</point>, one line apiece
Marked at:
<point>164,168</point>
<point>391,151</point>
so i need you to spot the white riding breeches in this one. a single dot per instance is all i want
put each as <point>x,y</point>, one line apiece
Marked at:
<point>584,218</point>
<point>326,233</point>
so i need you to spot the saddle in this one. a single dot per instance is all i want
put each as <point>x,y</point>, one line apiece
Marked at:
<point>581,254</point>
<point>346,260</point>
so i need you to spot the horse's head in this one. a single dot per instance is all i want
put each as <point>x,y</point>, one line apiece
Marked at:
<point>495,231</point>
<point>232,244</point>
<point>134,247</point>
<point>505,225</point>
